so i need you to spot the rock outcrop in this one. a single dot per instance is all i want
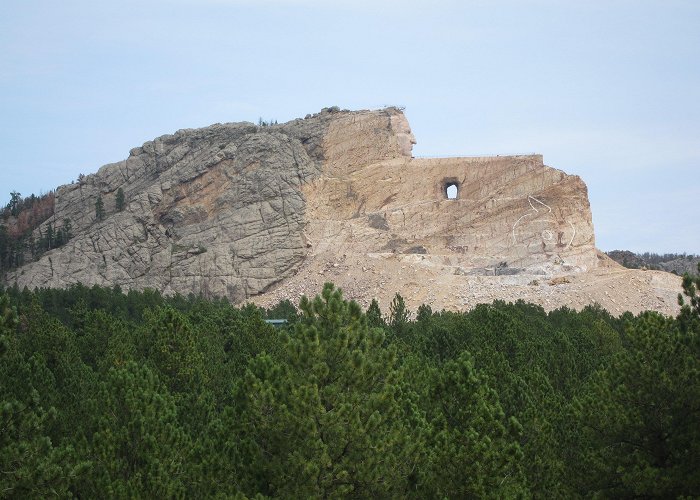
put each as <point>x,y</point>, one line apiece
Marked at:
<point>237,210</point>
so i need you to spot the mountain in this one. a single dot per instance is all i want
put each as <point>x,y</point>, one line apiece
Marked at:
<point>671,262</point>
<point>267,212</point>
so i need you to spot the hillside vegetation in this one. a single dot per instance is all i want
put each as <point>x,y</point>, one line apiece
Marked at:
<point>112,395</point>
<point>21,237</point>
<point>677,263</point>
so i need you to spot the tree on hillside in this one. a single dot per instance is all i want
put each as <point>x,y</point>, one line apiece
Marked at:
<point>374,315</point>
<point>50,236</point>
<point>15,203</point>
<point>120,200</point>
<point>5,248</point>
<point>424,313</point>
<point>99,209</point>
<point>66,230</point>
<point>398,314</point>
<point>689,317</point>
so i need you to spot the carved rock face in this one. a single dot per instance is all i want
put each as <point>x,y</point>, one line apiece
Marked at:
<point>404,136</point>
<point>235,210</point>
<point>507,209</point>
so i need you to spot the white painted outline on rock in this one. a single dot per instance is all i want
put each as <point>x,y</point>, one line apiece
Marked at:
<point>572,236</point>
<point>530,199</point>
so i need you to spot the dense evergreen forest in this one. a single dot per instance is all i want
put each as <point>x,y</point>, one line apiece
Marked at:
<point>111,395</point>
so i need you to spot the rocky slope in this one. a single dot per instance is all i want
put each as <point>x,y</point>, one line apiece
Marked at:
<point>673,263</point>
<point>244,211</point>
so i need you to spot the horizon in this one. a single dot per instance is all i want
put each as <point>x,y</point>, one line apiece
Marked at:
<point>606,91</point>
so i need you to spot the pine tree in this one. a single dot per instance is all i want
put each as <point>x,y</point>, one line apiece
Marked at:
<point>50,236</point>
<point>32,465</point>
<point>325,419</point>
<point>67,227</point>
<point>120,200</point>
<point>99,209</point>
<point>59,239</point>
<point>474,448</point>
<point>642,413</point>
<point>374,315</point>
<point>424,313</point>
<point>140,447</point>
<point>689,318</point>
<point>170,343</point>
<point>4,249</point>
<point>15,204</point>
<point>398,314</point>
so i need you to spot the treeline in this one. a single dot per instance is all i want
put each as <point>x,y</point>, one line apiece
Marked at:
<point>16,250</point>
<point>38,208</point>
<point>678,263</point>
<point>19,220</point>
<point>22,238</point>
<point>113,395</point>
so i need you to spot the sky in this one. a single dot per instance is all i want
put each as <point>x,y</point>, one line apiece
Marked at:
<point>607,90</point>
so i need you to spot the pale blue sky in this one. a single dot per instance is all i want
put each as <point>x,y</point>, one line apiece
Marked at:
<point>608,90</point>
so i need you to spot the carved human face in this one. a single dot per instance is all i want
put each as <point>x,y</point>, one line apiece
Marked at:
<point>404,136</point>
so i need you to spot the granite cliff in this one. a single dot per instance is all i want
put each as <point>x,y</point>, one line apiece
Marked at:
<point>270,212</point>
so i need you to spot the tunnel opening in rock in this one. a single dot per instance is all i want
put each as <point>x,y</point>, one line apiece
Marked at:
<point>451,190</point>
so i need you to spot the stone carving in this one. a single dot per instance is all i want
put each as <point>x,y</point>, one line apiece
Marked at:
<point>237,209</point>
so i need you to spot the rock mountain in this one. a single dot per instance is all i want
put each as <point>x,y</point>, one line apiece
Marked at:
<point>271,212</point>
